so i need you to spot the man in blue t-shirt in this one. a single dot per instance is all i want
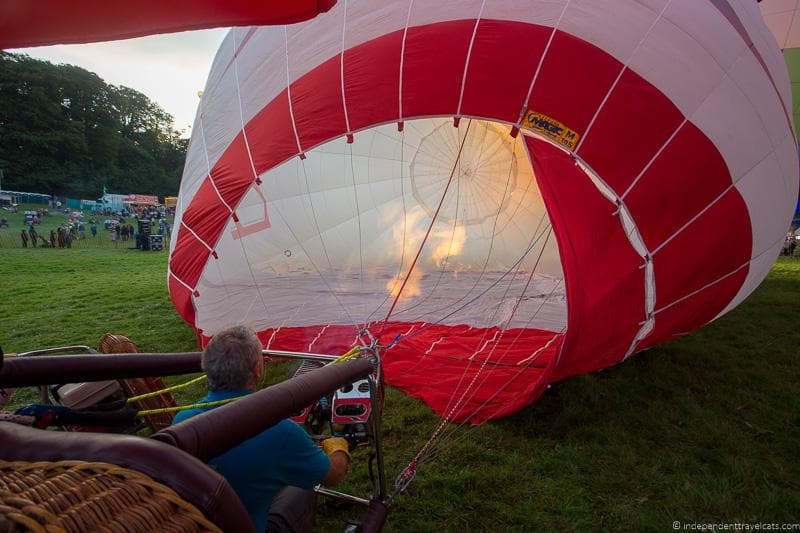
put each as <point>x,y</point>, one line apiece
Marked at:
<point>273,473</point>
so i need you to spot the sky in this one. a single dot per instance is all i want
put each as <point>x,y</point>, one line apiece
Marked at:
<point>168,69</point>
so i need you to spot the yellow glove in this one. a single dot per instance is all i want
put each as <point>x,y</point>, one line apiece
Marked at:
<point>336,444</point>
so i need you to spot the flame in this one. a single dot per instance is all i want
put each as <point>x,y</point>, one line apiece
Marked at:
<point>408,233</point>
<point>447,244</point>
<point>412,288</point>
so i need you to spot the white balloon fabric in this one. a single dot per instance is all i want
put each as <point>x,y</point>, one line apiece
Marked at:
<point>506,193</point>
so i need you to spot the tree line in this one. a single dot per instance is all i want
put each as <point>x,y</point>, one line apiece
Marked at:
<point>65,131</point>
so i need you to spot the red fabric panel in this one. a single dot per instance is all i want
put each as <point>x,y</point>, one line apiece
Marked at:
<point>688,175</point>
<point>636,121</point>
<point>574,79</point>
<point>446,374</point>
<point>714,245</point>
<point>44,22</point>
<point>233,173</point>
<point>271,139</point>
<point>332,340</point>
<point>498,81</point>
<point>181,299</point>
<point>372,81</point>
<point>433,67</point>
<point>206,215</point>
<point>695,311</point>
<point>189,258</point>
<point>490,385</point>
<point>317,104</point>
<point>605,287</point>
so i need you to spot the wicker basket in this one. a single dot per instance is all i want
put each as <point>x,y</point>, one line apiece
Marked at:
<point>114,343</point>
<point>86,496</point>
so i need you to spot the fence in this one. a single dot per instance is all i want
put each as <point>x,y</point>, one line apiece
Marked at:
<point>29,197</point>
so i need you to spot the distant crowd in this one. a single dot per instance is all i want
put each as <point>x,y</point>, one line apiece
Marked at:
<point>150,221</point>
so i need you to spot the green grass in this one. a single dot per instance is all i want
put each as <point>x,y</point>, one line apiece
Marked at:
<point>704,429</point>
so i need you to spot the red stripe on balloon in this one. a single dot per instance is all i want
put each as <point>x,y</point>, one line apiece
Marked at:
<point>502,386</point>
<point>715,244</point>
<point>498,79</point>
<point>206,215</point>
<point>188,259</point>
<point>26,23</point>
<point>181,299</point>
<point>574,79</point>
<point>635,121</point>
<point>687,176</point>
<point>687,315</point>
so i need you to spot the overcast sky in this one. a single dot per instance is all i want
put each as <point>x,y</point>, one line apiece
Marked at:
<point>169,69</point>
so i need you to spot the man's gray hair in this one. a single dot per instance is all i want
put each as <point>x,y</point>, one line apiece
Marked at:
<point>230,357</point>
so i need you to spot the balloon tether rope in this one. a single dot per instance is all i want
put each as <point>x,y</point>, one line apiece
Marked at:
<point>428,232</point>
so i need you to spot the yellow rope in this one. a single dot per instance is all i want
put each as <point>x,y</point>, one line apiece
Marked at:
<point>351,353</point>
<point>168,389</point>
<point>185,407</point>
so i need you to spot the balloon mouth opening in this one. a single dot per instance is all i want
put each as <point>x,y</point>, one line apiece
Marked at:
<point>433,224</point>
<point>436,238</point>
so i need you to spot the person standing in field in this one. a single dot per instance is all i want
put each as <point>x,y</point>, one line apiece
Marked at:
<point>33,234</point>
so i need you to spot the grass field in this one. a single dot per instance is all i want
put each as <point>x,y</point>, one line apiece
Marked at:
<point>702,430</point>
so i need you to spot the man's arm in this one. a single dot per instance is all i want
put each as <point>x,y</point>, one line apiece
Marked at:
<point>338,469</point>
<point>338,453</point>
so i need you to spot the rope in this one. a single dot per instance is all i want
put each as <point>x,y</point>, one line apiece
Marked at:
<point>464,396</point>
<point>399,337</point>
<point>407,475</point>
<point>350,354</point>
<point>452,238</point>
<point>162,391</point>
<point>402,338</point>
<point>405,213</point>
<point>531,362</point>
<point>430,227</point>
<point>186,407</point>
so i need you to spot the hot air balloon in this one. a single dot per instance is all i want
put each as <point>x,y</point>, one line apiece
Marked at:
<point>26,23</point>
<point>504,194</point>
<point>781,18</point>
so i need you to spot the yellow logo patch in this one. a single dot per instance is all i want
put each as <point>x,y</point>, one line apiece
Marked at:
<point>552,128</point>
